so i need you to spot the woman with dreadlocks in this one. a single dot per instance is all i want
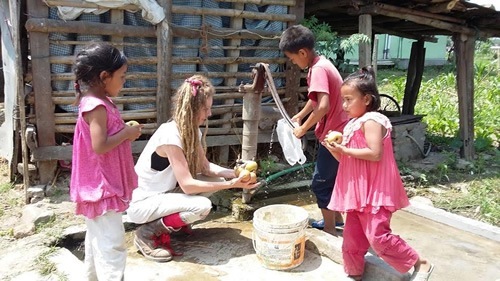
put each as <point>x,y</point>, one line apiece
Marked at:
<point>175,177</point>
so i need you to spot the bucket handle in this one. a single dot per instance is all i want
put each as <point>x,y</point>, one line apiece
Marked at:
<point>253,241</point>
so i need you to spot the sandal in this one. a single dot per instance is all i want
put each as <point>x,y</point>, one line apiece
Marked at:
<point>422,276</point>
<point>321,224</point>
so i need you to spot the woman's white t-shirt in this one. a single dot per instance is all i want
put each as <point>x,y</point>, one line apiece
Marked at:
<point>151,181</point>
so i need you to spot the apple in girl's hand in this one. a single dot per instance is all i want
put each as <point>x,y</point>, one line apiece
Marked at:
<point>132,123</point>
<point>334,137</point>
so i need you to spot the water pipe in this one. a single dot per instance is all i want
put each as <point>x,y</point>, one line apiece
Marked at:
<point>287,171</point>
<point>421,150</point>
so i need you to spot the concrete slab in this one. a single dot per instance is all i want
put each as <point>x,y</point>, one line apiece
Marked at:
<point>222,249</point>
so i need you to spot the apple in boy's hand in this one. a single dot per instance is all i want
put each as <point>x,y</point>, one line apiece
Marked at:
<point>132,123</point>
<point>334,137</point>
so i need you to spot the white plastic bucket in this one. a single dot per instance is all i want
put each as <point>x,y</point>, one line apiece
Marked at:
<point>279,235</point>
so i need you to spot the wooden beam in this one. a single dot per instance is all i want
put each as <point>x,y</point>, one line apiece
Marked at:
<point>445,7</point>
<point>464,54</point>
<point>328,5</point>
<point>164,66</point>
<point>53,153</point>
<point>83,4</point>
<point>376,9</point>
<point>45,25</point>
<point>233,13</point>
<point>44,108</point>
<point>262,2</point>
<point>419,13</point>
<point>382,30</point>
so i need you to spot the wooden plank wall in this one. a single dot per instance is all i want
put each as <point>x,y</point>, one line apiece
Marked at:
<point>177,47</point>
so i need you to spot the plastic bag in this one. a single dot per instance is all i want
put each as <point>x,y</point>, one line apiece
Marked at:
<point>291,145</point>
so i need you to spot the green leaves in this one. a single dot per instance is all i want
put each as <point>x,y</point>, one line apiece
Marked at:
<point>332,46</point>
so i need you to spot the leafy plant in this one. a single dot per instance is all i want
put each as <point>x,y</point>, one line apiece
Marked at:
<point>332,46</point>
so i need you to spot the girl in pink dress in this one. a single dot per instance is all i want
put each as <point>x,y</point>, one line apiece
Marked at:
<point>102,175</point>
<point>368,187</point>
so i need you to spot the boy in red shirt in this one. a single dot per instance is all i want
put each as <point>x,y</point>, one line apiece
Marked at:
<point>325,111</point>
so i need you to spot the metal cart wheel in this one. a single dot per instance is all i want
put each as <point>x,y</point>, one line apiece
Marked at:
<point>389,105</point>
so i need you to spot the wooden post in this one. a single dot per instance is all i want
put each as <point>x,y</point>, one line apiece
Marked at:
<point>464,54</point>
<point>414,77</point>
<point>236,23</point>
<point>44,107</point>
<point>164,66</point>
<point>117,18</point>
<point>292,72</point>
<point>365,27</point>
<point>375,55</point>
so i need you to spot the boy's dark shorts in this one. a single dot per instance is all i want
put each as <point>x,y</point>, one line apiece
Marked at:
<point>324,176</point>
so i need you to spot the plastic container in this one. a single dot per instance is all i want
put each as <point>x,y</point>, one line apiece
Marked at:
<point>279,235</point>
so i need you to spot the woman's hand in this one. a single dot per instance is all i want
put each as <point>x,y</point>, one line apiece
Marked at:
<point>238,182</point>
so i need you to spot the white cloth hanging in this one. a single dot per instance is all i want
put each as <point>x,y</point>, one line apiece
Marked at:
<point>291,145</point>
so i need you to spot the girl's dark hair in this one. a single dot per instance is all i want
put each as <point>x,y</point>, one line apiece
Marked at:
<point>364,81</point>
<point>91,61</point>
<point>296,37</point>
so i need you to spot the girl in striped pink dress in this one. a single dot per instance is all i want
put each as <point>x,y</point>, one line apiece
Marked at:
<point>368,187</point>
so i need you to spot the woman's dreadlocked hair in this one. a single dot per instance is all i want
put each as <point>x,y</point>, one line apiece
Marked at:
<point>191,98</point>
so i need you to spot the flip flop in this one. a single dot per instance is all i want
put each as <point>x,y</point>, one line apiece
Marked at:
<point>422,276</point>
<point>320,224</point>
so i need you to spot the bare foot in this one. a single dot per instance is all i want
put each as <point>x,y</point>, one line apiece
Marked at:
<point>422,265</point>
<point>331,231</point>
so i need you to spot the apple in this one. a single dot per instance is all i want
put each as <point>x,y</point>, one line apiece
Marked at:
<point>245,175</point>
<point>334,137</point>
<point>253,177</point>
<point>132,123</point>
<point>251,166</point>
<point>237,170</point>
